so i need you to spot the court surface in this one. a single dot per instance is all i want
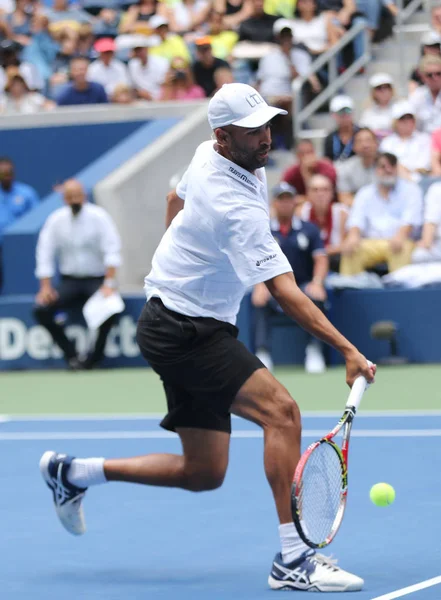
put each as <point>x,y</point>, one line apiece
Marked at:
<point>157,543</point>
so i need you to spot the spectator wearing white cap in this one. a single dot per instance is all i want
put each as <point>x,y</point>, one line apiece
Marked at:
<point>411,147</point>
<point>339,144</point>
<point>378,115</point>
<point>170,45</point>
<point>107,70</point>
<point>430,44</point>
<point>428,248</point>
<point>148,72</point>
<point>384,218</point>
<point>426,100</point>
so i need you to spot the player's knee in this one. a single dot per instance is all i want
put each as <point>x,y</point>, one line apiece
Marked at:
<point>204,480</point>
<point>285,413</point>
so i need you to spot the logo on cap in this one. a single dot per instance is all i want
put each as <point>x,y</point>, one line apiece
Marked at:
<point>254,99</point>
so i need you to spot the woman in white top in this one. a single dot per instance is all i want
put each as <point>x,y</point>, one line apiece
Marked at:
<point>188,15</point>
<point>411,147</point>
<point>19,100</point>
<point>330,217</point>
<point>313,29</point>
<point>378,115</point>
<point>428,249</point>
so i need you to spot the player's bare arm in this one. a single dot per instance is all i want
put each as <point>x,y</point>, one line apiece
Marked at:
<point>299,307</point>
<point>174,205</point>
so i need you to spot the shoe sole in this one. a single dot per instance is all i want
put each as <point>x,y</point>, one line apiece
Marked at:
<point>275,584</point>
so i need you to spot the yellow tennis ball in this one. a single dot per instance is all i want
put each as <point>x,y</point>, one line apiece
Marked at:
<point>382,494</point>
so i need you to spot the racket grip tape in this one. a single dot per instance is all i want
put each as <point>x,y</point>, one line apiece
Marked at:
<point>358,388</point>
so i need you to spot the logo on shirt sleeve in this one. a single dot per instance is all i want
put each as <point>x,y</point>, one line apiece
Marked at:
<point>266,259</point>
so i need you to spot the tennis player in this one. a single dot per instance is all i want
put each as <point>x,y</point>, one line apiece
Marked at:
<point>218,247</point>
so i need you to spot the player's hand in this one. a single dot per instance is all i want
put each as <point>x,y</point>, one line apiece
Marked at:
<point>356,365</point>
<point>106,291</point>
<point>46,295</point>
<point>260,295</point>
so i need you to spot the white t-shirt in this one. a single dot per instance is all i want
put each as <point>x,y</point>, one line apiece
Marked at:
<point>108,76</point>
<point>378,218</point>
<point>413,153</point>
<point>274,71</point>
<point>220,244</point>
<point>149,77</point>
<point>183,13</point>
<point>427,110</point>
<point>378,118</point>
<point>312,33</point>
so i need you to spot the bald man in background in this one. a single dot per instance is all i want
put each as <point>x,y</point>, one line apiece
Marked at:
<point>83,240</point>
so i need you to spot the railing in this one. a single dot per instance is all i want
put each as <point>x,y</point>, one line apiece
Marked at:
<point>302,114</point>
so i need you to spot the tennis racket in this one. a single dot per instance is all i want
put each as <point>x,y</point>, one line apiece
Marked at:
<point>320,485</point>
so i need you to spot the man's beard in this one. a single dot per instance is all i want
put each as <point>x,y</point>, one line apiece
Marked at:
<point>248,161</point>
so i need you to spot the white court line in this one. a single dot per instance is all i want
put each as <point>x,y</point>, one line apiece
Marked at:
<point>139,435</point>
<point>156,416</point>
<point>410,590</point>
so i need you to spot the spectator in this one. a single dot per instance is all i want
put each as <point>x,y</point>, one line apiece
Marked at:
<point>81,91</point>
<point>301,243</point>
<point>312,28</point>
<point>188,15</point>
<point>221,76</point>
<point>344,15</point>
<point>20,21</point>
<point>9,57</point>
<point>18,99</point>
<point>308,164</point>
<point>428,249</point>
<point>107,70</point>
<point>330,217</point>
<point>106,23</point>
<point>136,18</point>
<point>222,40</point>
<point>430,44</point>
<point>16,199</point>
<point>61,65</point>
<point>205,65</point>
<point>372,10</point>
<point>83,239</point>
<point>339,144</point>
<point>436,17</point>
<point>378,116</point>
<point>235,11</point>
<point>384,217</point>
<point>62,16</point>
<point>426,100</point>
<point>179,84</point>
<point>42,49</point>
<point>359,170</point>
<point>171,45</point>
<point>259,26</point>
<point>411,147</point>
<point>148,72</point>
<point>124,94</point>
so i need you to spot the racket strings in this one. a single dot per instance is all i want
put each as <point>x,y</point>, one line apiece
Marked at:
<point>319,497</point>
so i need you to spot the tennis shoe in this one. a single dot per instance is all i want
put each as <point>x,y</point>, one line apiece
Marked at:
<point>312,572</point>
<point>67,497</point>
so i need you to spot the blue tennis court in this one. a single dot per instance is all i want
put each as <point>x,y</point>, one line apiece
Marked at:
<point>158,543</point>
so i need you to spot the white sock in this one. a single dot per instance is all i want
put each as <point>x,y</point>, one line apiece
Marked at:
<point>292,544</point>
<point>84,472</point>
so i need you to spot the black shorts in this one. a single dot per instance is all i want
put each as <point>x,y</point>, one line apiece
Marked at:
<point>201,363</point>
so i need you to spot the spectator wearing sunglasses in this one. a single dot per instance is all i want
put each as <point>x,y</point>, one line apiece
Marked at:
<point>339,144</point>
<point>411,147</point>
<point>378,114</point>
<point>426,100</point>
<point>430,45</point>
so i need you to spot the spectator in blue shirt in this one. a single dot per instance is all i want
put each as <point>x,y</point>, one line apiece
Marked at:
<point>303,246</point>
<point>81,91</point>
<point>16,199</point>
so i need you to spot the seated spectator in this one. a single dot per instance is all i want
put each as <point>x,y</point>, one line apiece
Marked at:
<point>16,199</point>
<point>301,243</point>
<point>179,83</point>
<point>124,94</point>
<point>428,248</point>
<point>313,28</point>
<point>259,26</point>
<point>222,40</point>
<point>235,11</point>
<point>20,21</point>
<point>205,65</point>
<point>436,17</point>
<point>430,44</point>
<point>42,49</point>
<point>426,99</point>
<point>107,22</point>
<point>378,116</point>
<point>85,41</point>
<point>308,164</point>
<point>372,10</point>
<point>61,64</point>
<point>84,241</point>
<point>344,15</point>
<point>383,219</point>
<point>359,170</point>
<point>330,217</point>
<point>9,57</point>
<point>136,18</point>
<point>81,91</point>
<point>171,45</point>
<point>148,72</point>
<point>188,15</point>
<point>411,147</point>
<point>63,16</point>
<point>339,144</point>
<point>107,70</point>
<point>18,99</point>
<point>221,76</point>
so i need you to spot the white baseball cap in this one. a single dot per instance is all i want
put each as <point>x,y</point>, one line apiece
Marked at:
<point>281,24</point>
<point>241,105</point>
<point>338,103</point>
<point>157,21</point>
<point>380,79</point>
<point>430,38</point>
<point>402,108</point>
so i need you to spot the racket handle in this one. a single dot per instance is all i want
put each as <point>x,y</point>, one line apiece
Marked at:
<point>358,388</point>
